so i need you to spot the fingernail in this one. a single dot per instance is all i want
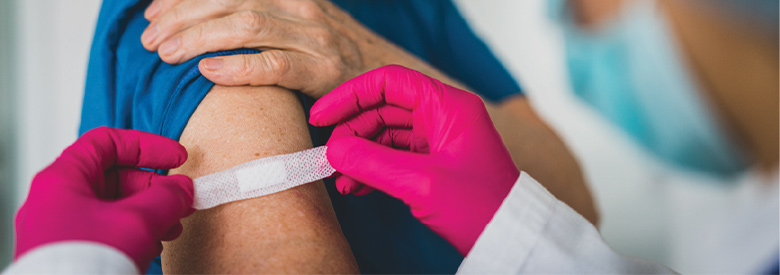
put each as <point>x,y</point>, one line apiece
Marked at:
<point>170,46</point>
<point>153,9</point>
<point>213,63</point>
<point>150,33</point>
<point>314,116</point>
<point>345,190</point>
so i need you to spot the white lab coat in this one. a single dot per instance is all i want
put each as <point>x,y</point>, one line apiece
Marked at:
<point>533,232</point>
<point>73,257</point>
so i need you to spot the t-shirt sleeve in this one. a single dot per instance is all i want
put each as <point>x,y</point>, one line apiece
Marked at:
<point>130,87</point>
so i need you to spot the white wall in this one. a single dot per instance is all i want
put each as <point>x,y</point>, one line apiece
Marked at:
<point>53,43</point>
<point>50,41</point>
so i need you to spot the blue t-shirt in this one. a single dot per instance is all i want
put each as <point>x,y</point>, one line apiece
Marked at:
<point>129,87</point>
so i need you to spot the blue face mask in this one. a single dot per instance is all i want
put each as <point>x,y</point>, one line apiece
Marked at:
<point>631,72</point>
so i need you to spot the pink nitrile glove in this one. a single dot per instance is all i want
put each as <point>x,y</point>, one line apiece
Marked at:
<point>428,144</point>
<point>93,193</point>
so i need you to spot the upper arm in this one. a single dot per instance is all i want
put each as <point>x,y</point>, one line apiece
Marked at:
<point>291,231</point>
<point>538,150</point>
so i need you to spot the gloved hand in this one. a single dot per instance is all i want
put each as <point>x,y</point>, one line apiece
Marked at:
<point>453,170</point>
<point>93,193</point>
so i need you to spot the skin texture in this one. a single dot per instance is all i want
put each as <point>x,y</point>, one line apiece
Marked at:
<point>294,231</point>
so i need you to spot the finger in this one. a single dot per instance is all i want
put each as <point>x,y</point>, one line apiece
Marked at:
<point>363,190</point>
<point>130,181</point>
<point>394,85</point>
<point>395,137</point>
<point>102,148</point>
<point>392,137</point>
<point>186,15</point>
<point>392,171</point>
<point>244,29</point>
<point>288,69</point>
<point>371,122</point>
<point>173,233</point>
<point>158,7</point>
<point>164,203</point>
<point>179,16</point>
<point>346,185</point>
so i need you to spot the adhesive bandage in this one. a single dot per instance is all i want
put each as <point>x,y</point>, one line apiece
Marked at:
<point>262,177</point>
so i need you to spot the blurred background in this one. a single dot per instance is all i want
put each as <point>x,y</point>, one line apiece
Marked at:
<point>646,207</point>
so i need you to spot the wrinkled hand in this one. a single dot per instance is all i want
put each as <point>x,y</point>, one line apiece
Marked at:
<point>308,45</point>
<point>93,193</point>
<point>452,168</point>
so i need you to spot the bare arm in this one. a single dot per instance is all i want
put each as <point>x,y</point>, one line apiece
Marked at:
<point>537,150</point>
<point>294,231</point>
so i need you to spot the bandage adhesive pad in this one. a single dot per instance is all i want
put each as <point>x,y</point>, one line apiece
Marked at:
<point>262,177</point>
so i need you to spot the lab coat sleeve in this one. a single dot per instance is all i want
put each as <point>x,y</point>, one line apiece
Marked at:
<point>533,232</point>
<point>73,257</point>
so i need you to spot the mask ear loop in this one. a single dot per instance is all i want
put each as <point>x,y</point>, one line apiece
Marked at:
<point>262,177</point>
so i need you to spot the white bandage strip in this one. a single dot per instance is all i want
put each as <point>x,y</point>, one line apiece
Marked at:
<point>262,177</point>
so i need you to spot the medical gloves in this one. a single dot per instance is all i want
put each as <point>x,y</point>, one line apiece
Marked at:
<point>431,145</point>
<point>93,193</point>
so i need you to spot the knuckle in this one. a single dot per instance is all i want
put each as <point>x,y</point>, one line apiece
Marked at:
<point>196,34</point>
<point>473,100</point>
<point>49,174</point>
<point>250,21</point>
<point>172,19</point>
<point>322,36</point>
<point>99,133</point>
<point>277,64</point>
<point>310,9</point>
<point>392,70</point>
<point>244,68</point>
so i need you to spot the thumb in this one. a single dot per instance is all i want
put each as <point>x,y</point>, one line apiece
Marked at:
<point>398,173</point>
<point>266,68</point>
